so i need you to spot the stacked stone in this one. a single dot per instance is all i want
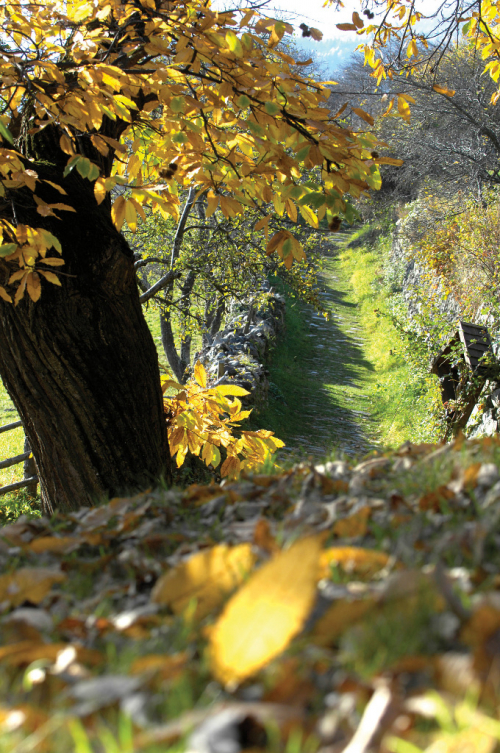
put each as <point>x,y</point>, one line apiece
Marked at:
<point>237,354</point>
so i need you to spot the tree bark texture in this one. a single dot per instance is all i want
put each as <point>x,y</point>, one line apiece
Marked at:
<point>80,364</point>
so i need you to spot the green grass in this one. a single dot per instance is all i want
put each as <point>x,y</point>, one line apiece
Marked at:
<point>365,388</point>
<point>11,443</point>
<point>405,398</point>
<point>317,402</point>
<point>287,380</point>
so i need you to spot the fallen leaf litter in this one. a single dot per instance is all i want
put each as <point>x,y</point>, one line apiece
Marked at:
<point>325,602</point>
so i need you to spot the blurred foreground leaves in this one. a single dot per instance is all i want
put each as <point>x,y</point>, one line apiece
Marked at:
<point>327,608</point>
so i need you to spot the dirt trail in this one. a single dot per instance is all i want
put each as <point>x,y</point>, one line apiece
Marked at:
<point>334,412</point>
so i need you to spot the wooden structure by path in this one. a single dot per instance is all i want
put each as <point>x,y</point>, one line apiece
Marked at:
<point>463,367</point>
<point>30,479</point>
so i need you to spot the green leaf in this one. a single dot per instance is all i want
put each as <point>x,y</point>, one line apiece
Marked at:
<point>374,180</point>
<point>177,104</point>
<point>302,153</point>
<point>296,192</point>
<point>314,199</point>
<point>272,108</point>
<point>71,165</point>
<point>6,133</point>
<point>83,167</point>
<point>94,172</point>
<point>243,101</point>
<point>179,138</point>
<point>351,214</point>
<point>51,240</point>
<point>287,247</point>
<point>7,249</point>
<point>332,200</point>
<point>234,44</point>
<point>255,128</point>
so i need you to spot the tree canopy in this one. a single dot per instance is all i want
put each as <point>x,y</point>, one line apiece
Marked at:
<point>405,36</point>
<point>152,96</point>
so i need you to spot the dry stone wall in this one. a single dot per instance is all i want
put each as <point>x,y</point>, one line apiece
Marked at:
<point>238,353</point>
<point>414,282</point>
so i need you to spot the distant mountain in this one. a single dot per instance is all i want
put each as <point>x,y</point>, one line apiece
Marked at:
<point>331,54</point>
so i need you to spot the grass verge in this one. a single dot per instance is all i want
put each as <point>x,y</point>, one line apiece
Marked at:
<point>405,397</point>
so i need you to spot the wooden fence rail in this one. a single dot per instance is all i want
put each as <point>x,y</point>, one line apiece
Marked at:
<point>30,479</point>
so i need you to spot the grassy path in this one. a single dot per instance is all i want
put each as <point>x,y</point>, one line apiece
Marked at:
<point>319,375</point>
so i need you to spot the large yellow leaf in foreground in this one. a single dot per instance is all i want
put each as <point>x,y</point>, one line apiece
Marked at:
<point>260,620</point>
<point>207,576</point>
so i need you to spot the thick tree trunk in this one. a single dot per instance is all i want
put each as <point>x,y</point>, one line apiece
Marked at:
<point>80,364</point>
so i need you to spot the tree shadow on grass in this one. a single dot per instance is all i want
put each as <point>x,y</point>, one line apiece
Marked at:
<point>309,367</point>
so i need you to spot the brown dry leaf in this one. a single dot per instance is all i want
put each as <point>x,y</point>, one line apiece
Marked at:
<point>333,485</point>
<point>54,544</point>
<point>482,633</point>
<point>340,616</point>
<point>168,667</point>
<point>28,584</point>
<point>290,686</point>
<point>207,576</point>
<point>470,476</point>
<point>433,500</point>
<point>259,622</point>
<point>354,525</point>
<point>263,537</point>
<point>26,652</point>
<point>362,562</point>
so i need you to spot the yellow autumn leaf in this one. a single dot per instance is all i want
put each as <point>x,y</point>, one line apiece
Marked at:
<point>353,525</point>
<point>261,619</point>
<point>50,276</point>
<point>66,145</point>
<point>33,286</point>
<point>363,115</point>
<point>200,374</point>
<point>444,90</point>
<point>404,109</point>
<point>28,584</point>
<point>291,210</point>
<point>362,562</point>
<point>231,467</point>
<point>212,204</point>
<point>232,389</point>
<point>412,50</point>
<point>131,215</point>
<point>4,295</point>
<point>118,212</point>
<point>309,216</point>
<point>207,576</point>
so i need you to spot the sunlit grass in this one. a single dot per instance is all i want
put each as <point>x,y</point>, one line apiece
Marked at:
<point>404,397</point>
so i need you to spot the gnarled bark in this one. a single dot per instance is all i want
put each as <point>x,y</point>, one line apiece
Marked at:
<point>80,364</point>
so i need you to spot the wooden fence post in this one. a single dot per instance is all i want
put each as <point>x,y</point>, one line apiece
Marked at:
<point>30,469</point>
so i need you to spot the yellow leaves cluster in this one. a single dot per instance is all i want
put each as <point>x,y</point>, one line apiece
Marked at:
<point>238,134</point>
<point>269,606</point>
<point>479,23</point>
<point>28,247</point>
<point>203,420</point>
